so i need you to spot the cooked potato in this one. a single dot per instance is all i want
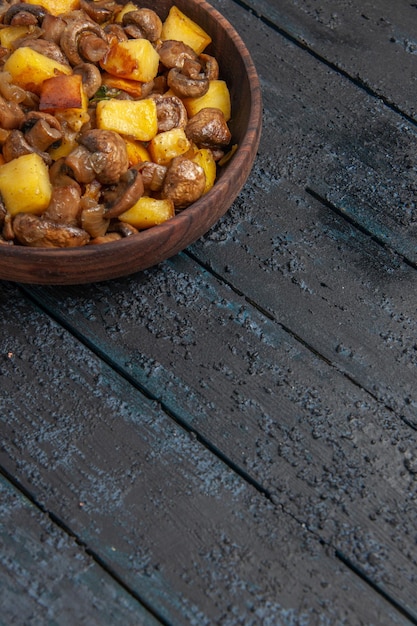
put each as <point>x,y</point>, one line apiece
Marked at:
<point>9,34</point>
<point>57,7</point>
<point>136,118</point>
<point>205,159</point>
<point>179,27</point>
<point>29,69</point>
<point>136,151</point>
<point>217,97</point>
<point>62,92</point>
<point>148,212</point>
<point>24,185</point>
<point>135,59</point>
<point>167,145</point>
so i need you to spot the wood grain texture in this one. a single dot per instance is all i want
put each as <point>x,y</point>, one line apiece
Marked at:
<point>46,578</point>
<point>372,42</point>
<point>180,528</point>
<point>347,294</point>
<point>94,263</point>
<point>324,133</point>
<point>338,461</point>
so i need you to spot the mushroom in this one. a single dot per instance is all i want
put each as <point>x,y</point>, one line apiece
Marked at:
<point>24,14</point>
<point>107,238</point>
<point>32,230</point>
<point>115,32</point>
<point>125,194</point>
<point>123,228</point>
<point>184,182</point>
<point>60,175</point>
<point>171,112</point>
<point>173,53</point>
<point>153,175</point>
<point>208,129</point>
<point>83,40</point>
<point>91,77</point>
<point>11,115</point>
<point>16,146</point>
<point>52,28</point>
<point>108,154</point>
<point>99,10</point>
<point>41,130</point>
<point>10,91</point>
<point>185,85</point>
<point>94,221</point>
<point>210,65</point>
<point>142,24</point>
<point>79,162</point>
<point>64,205</point>
<point>7,230</point>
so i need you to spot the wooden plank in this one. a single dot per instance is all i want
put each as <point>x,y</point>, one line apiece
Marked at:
<point>335,459</point>
<point>323,132</point>
<point>331,285</point>
<point>47,578</point>
<point>277,237</point>
<point>180,528</point>
<point>372,42</point>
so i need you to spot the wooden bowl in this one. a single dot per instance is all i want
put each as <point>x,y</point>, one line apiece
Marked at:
<point>89,264</point>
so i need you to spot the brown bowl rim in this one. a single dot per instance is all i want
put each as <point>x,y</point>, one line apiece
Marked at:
<point>43,260</point>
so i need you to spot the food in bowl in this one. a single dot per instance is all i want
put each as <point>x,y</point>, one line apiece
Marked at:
<point>111,120</point>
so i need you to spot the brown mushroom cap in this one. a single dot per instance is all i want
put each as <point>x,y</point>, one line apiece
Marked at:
<point>24,14</point>
<point>186,86</point>
<point>109,158</point>
<point>91,77</point>
<point>142,24</point>
<point>34,231</point>
<point>208,129</point>
<point>99,10</point>
<point>170,111</point>
<point>184,182</point>
<point>173,53</point>
<point>125,194</point>
<point>83,40</point>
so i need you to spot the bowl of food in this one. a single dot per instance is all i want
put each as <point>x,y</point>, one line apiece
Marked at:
<point>127,130</point>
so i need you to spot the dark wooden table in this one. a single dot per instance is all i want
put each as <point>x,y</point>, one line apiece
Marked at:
<point>230,437</point>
